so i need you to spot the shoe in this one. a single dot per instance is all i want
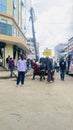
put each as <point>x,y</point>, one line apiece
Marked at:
<point>22,85</point>
<point>53,79</point>
<point>44,78</point>
<point>49,82</point>
<point>33,79</point>
<point>16,85</point>
<point>41,79</point>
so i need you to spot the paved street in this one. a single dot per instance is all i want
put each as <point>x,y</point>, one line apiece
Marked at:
<point>36,106</point>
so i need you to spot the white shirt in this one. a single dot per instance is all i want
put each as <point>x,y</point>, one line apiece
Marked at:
<point>21,65</point>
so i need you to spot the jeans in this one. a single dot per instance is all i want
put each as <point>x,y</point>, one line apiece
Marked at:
<point>21,77</point>
<point>49,76</point>
<point>62,74</point>
<point>11,72</point>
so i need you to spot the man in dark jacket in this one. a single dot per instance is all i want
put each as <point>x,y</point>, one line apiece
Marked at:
<point>42,71</point>
<point>62,65</point>
<point>49,67</point>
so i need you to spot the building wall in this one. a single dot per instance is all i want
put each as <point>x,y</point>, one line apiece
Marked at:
<point>9,50</point>
<point>32,49</point>
<point>58,49</point>
<point>12,19</point>
<point>7,20</point>
<point>9,9</point>
<point>15,11</point>
<point>70,45</point>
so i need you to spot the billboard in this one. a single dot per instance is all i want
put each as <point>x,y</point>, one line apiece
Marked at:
<point>47,52</point>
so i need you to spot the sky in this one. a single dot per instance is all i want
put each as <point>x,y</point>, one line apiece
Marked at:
<point>53,22</point>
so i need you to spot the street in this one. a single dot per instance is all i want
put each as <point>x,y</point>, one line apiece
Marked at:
<point>37,105</point>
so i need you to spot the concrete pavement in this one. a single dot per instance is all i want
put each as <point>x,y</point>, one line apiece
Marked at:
<point>6,74</point>
<point>37,105</point>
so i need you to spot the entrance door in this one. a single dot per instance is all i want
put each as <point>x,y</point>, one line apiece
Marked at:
<point>2,54</point>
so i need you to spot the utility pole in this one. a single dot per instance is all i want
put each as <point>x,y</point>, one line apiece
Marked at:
<point>33,30</point>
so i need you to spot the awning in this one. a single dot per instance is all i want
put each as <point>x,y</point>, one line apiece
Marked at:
<point>14,41</point>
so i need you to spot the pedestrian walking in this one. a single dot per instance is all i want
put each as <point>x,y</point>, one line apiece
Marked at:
<point>7,61</point>
<point>62,65</point>
<point>42,71</point>
<point>49,67</point>
<point>11,66</point>
<point>21,67</point>
<point>36,69</point>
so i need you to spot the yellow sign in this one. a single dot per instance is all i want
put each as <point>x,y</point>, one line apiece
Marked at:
<point>47,52</point>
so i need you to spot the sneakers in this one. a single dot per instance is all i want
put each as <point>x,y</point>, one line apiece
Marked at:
<point>44,78</point>
<point>16,85</point>
<point>22,85</point>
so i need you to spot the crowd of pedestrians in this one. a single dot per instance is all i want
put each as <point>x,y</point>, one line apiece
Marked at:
<point>49,67</point>
<point>41,68</point>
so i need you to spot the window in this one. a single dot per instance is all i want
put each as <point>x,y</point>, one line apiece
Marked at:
<point>3,6</point>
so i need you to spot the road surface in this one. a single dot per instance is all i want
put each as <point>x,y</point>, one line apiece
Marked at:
<point>36,106</point>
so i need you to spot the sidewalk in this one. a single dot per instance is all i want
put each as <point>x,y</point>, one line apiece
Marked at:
<point>6,74</point>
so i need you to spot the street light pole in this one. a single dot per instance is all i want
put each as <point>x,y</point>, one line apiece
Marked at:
<point>33,31</point>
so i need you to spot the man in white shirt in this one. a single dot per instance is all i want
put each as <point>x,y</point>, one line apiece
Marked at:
<point>21,67</point>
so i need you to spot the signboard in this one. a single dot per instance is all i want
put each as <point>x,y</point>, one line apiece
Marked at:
<point>47,52</point>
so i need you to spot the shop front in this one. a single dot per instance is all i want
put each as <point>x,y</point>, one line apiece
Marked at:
<point>11,46</point>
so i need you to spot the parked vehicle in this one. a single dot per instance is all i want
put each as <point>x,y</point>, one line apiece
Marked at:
<point>69,63</point>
